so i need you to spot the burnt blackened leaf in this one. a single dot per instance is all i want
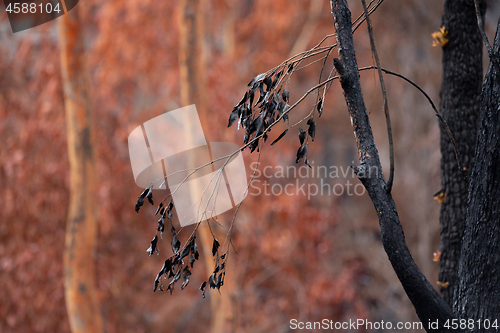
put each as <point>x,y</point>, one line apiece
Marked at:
<point>218,282</point>
<point>211,282</point>
<point>279,137</point>
<point>161,225</point>
<point>191,260</point>
<point>307,163</point>
<point>251,125</point>
<point>177,275</point>
<point>262,95</point>
<point>150,196</point>
<point>157,281</point>
<point>257,79</point>
<point>176,244</point>
<point>254,145</point>
<point>312,128</point>
<point>152,247</point>
<point>233,117</point>
<point>169,210</point>
<point>275,81</point>
<point>174,280</point>
<point>138,205</point>
<point>171,287</point>
<point>251,95</point>
<point>268,82</point>
<point>167,267</point>
<point>259,125</point>
<point>140,199</point>
<point>302,135</point>
<point>286,96</point>
<point>246,138</point>
<point>186,274</point>
<point>215,246</point>
<point>203,285</point>
<point>285,110</point>
<point>160,206</point>
<point>223,256</point>
<point>320,107</point>
<point>301,153</point>
<point>144,193</point>
<point>185,251</point>
<point>194,250</point>
<point>244,99</point>
<point>280,73</point>
<point>281,106</point>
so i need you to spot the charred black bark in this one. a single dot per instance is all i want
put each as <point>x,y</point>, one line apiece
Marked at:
<point>427,302</point>
<point>460,99</point>
<point>478,292</point>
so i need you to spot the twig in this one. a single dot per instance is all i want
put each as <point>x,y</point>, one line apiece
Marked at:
<point>480,23</point>
<point>438,114</point>
<point>384,93</point>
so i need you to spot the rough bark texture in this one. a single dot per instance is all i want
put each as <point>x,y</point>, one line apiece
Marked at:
<point>427,302</point>
<point>81,229</point>
<point>478,294</point>
<point>460,99</point>
<point>192,73</point>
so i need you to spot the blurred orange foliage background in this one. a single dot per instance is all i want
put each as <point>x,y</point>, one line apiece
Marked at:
<point>297,258</point>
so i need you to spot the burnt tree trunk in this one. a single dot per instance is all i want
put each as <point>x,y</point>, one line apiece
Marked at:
<point>460,99</point>
<point>81,229</point>
<point>478,292</point>
<point>427,302</point>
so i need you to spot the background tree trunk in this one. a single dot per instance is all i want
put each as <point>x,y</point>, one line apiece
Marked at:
<point>460,99</point>
<point>192,77</point>
<point>81,229</point>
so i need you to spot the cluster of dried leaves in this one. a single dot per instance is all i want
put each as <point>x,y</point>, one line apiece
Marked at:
<point>271,106</point>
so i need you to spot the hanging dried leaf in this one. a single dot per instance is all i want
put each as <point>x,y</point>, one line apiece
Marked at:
<point>233,116</point>
<point>186,274</point>
<point>185,251</point>
<point>215,246</point>
<point>138,205</point>
<point>258,78</point>
<point>312,128</point>
<point>319,107</point>
<point>280,137</point>
<point>152,247</point>
<point>149,195</point>
<point>286,96</point>
<point>194,250</point>
<point>301,153</point>
<point>302,135</point>
<point>176,244</point>
<point>161,225</point>
<point>160,206</point>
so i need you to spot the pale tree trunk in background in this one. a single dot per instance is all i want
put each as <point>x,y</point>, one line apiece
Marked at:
<point>81,229</point>
<point>192,73</point>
